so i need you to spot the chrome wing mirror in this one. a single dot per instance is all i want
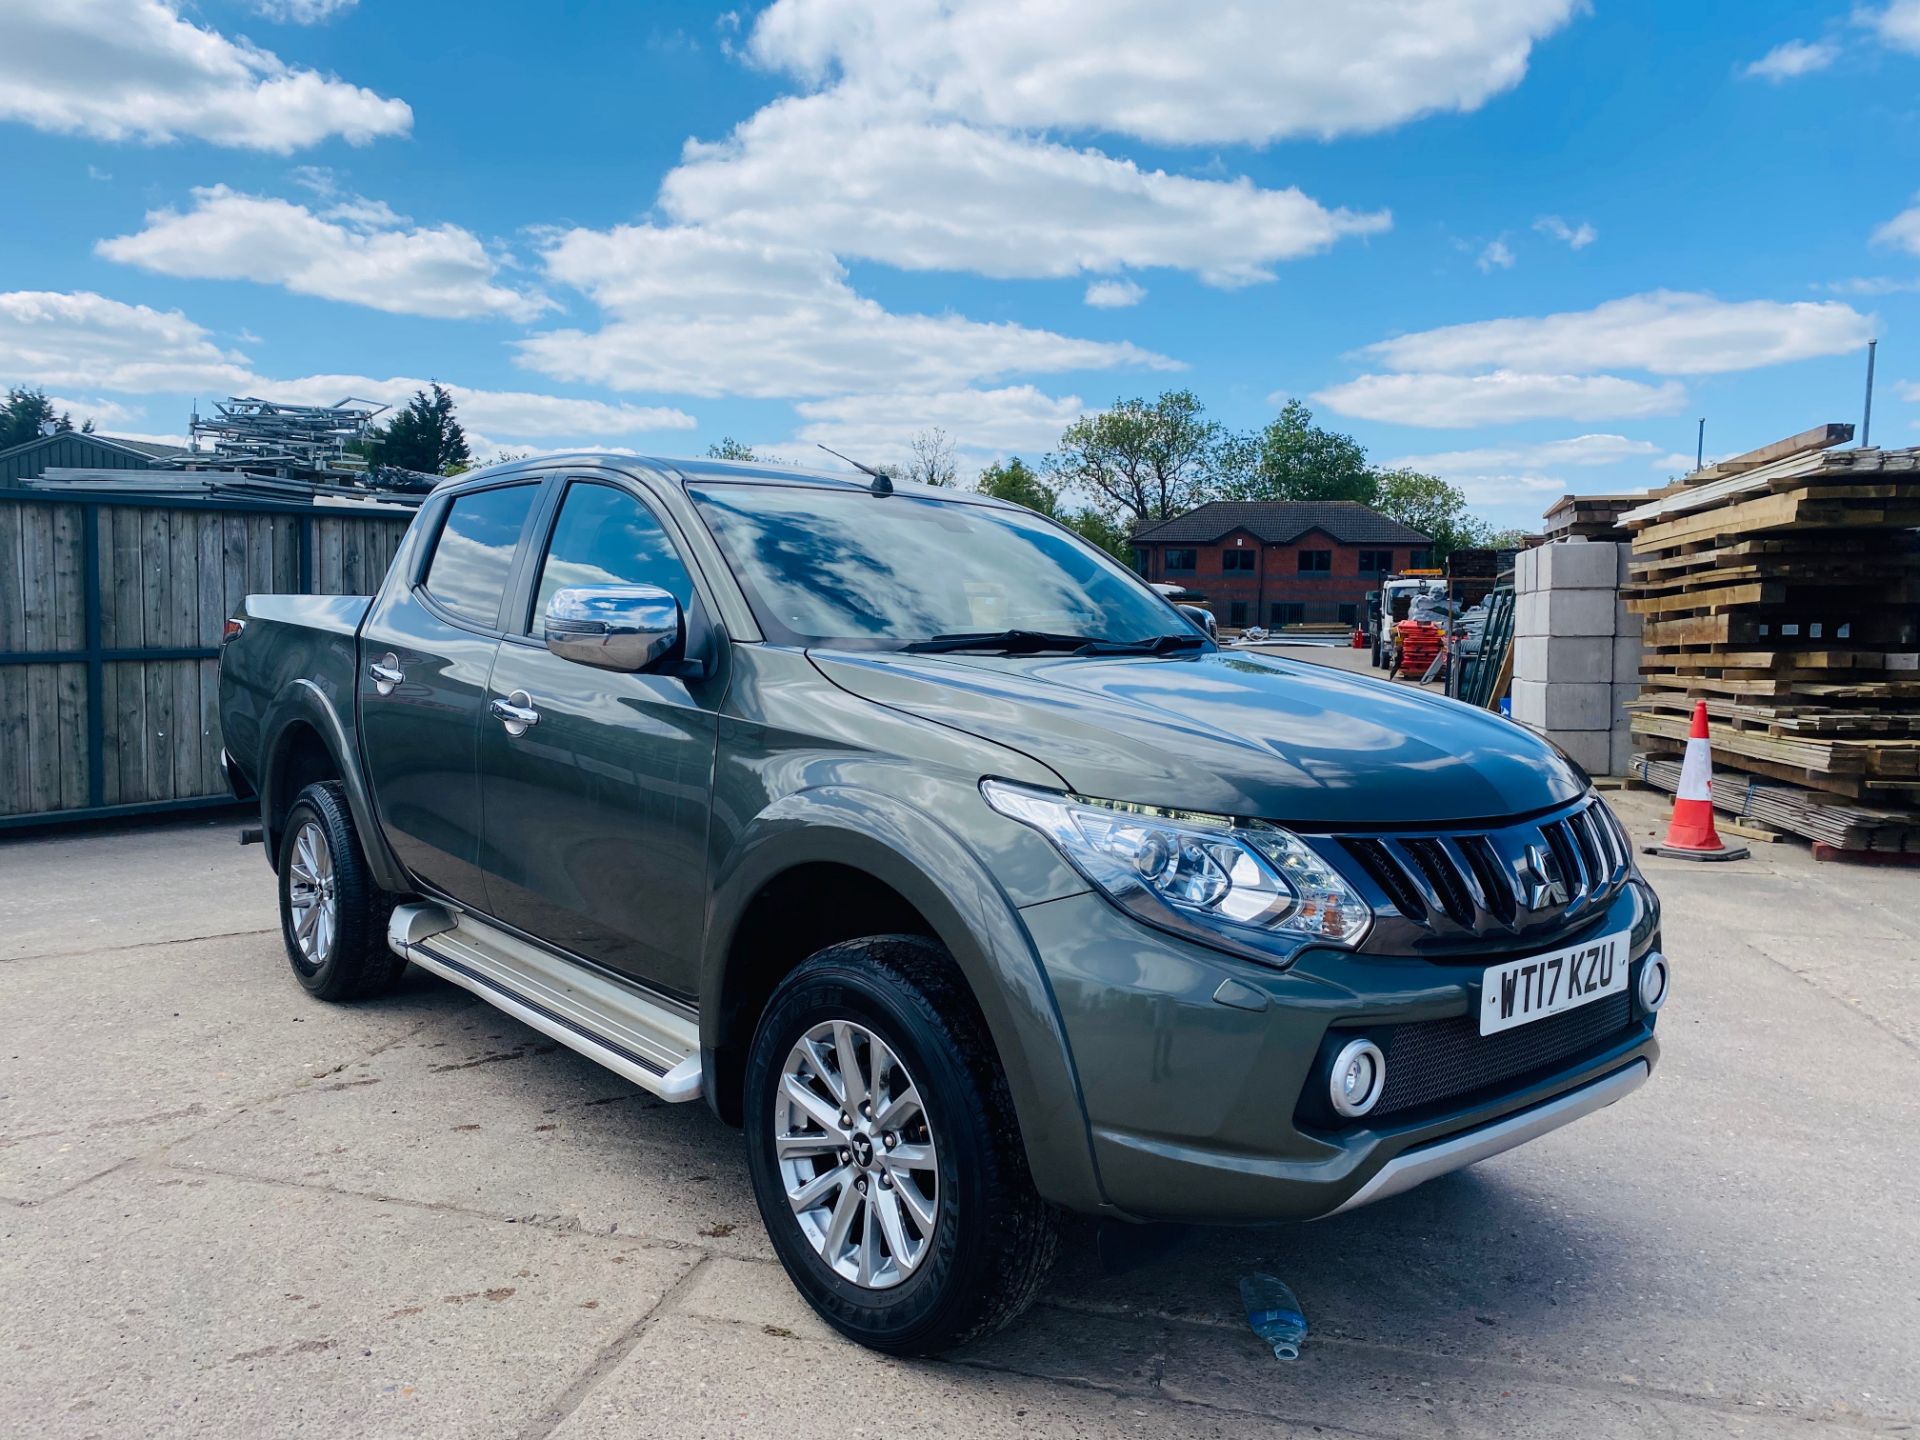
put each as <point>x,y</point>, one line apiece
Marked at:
<point>615,627</point>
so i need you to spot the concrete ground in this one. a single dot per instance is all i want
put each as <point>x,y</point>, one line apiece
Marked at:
<point>227,1209</point>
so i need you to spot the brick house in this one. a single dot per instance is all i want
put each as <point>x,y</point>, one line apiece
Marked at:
<point>1280,562</point>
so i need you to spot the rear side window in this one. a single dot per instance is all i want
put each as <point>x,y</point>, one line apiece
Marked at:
<point>606,537</point>
<point>468,573</point>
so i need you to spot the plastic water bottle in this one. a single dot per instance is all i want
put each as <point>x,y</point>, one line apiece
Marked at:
<point>1274,1313</point>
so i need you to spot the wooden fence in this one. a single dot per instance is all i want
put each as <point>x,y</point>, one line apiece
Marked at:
<point>111,608</point>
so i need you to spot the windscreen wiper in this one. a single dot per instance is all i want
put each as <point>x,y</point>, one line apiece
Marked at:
<point>1035,642</point>
<point>1154,645</point>
<point>1006,642</point>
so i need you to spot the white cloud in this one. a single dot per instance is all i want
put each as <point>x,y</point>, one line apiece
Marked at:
<point>357,251</point>
<point>1897,24</point>
<point>1496,256</point>
<point>301,12</point>
<point>1902,231</point>
<point>1179,75</point>
<point>135,70</point>
<point>1461,401</point>
<point>1580,450</point>
<point>105,414</point>
<point>1576,237</point>
<point>1114,294</point>
<point>1869,285</point>
<point>984,425</point>
<point>1792,59</point>
<point>907,188</point>
<point>699,313</point>
<point>89,343</point>
<point>1666,332</point>
<point>86,341</point>
<point>514,414</point>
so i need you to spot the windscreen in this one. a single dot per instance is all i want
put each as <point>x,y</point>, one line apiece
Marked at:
<point>853,570</point>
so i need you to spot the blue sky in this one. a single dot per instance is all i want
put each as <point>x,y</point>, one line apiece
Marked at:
<point>1527,243</point>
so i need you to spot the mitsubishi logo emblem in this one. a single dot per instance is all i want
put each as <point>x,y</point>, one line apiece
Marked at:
<point>1541,872</point>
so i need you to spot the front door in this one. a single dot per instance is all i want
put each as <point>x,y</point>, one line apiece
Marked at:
<point>425,654</point>
<point>596,814</point>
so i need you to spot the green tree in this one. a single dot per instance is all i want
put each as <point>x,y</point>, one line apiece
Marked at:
<point>1432,506</point>
<point>24,415</point>
<point>1019,482</point>
<point>1295,459</point>
<point>1143,460</point>
<point>728,448</point>
<point>425,436</point>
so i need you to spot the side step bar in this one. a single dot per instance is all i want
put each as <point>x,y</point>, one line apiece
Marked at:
<point>638,1038</point>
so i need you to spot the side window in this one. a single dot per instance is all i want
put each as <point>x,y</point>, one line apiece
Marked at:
<point>468,572</point>
<point>603,536</point>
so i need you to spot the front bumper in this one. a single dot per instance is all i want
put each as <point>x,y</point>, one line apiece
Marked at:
<point>1192,1065</point>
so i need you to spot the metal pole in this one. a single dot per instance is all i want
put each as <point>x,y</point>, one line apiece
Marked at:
<point>1700,446</point>
<point>1866,412</point>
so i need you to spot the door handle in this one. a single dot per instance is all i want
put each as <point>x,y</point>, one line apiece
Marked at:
<point>516,712</point>
<point>386,673</point>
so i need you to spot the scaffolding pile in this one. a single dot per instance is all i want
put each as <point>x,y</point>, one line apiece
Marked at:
<point>324,443</point>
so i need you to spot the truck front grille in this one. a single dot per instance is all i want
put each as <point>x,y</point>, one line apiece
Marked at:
<point>1459,884</point>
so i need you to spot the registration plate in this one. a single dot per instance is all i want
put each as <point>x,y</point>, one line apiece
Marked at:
<point>1521,991</point>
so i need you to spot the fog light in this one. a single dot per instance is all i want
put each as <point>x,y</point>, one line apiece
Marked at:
<point>1653,982</point>
<point>1359,1074</point>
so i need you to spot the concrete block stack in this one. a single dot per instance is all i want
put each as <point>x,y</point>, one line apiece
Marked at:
<point>1576,650</point>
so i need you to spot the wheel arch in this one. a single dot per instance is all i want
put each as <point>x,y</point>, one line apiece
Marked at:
<point>309,742</point>
<point>865,863</point>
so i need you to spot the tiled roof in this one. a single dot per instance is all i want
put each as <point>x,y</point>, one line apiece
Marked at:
<point>1276,522</point>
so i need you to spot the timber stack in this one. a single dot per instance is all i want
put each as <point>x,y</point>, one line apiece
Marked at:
<point>1783,588</point>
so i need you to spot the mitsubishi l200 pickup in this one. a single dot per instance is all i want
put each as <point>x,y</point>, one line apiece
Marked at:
<point>939,853</point>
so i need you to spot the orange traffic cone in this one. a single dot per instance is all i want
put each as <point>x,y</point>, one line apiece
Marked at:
<point>1691,835</point>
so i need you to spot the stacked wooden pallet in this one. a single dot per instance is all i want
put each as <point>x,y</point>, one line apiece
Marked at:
<point>1826,819</point>
<point>1591,517</point>
<point>1783,587</point>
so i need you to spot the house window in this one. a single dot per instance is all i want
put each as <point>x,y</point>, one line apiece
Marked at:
<point>1237,614</point>
<point>1376,562</point>
<point>1288,612</point>
<point>1349,614</point>
<point>1182,560</point>
<point>1239,559</point>
<point>1316,562</point>
<point>1420,560</point>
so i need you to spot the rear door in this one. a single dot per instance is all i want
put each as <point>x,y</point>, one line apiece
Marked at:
<point>426,651</point>
<point>596,814</point>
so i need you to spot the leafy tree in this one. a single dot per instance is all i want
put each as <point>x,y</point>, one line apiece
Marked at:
<point>932,462</point>
<point>24,416</point>
<point>64,425</point>
<point>1019,482</point>
<point>425,436</point>
<point>1429,504</point>
<point>728,448</point>
<point>1143,460</point>
<point>1295,459</point>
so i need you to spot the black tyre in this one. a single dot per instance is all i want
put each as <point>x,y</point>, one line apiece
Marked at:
<point>911,1225</point>
<point>333,917</point>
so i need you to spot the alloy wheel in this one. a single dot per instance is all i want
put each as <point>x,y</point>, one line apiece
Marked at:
<point>856,1154</point>
<point>312,894</point>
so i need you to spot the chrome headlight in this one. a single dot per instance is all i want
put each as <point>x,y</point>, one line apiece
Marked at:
<point>1248,885</point>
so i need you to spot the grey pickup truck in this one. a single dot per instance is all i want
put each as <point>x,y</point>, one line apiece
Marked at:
<point>944,857</point>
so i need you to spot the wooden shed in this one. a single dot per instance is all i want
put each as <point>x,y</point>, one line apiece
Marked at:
<point>111,607</point>
<point>83,450</point>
